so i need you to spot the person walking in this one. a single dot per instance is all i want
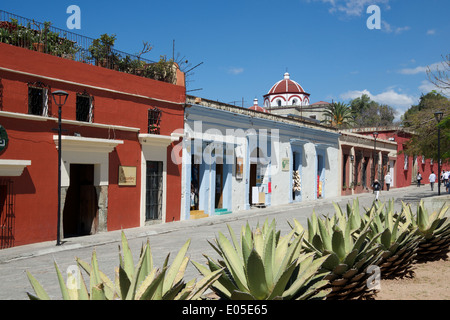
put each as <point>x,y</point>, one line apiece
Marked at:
<point>445,178</point>
<point>376,189</point>
<point>419,177</point>
<point>388,181</point>
<point>432,179</point>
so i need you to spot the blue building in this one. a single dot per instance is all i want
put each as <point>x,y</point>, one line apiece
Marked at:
<point>237,158</point>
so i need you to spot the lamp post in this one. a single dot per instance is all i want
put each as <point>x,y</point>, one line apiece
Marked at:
<point>60,98</point>
<point>438,115</point>
<point>375,136</point>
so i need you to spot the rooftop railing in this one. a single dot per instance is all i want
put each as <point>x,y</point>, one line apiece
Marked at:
<point>43,37</point>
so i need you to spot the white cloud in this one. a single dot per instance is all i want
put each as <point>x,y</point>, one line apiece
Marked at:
<point>399,30</point>
<point>352,7</point>
<point>400,102</point>
<point>419,69</point>
<point>427,86</point>
<point>431,32</point>
<point>386,27</point>
<point>235,71</point>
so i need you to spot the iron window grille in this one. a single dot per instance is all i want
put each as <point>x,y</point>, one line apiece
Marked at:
<point>154,120</point>
<point>37,99</point>
<point>6,214</point>
<point>154,190</point>
<point>84,107</point>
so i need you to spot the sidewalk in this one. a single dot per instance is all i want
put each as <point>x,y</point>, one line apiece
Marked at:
<point>410,194</point>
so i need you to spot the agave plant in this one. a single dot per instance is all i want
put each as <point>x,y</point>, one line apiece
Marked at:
<point>348,249</point>
<point>434,232</point>
<point>397,242</point>
<point>262,265</point>
<point>140,282</point>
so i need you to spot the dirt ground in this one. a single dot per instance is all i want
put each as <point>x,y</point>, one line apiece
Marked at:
<point>431,282</point>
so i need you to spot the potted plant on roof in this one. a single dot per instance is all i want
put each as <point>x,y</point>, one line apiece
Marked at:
<point>139,66</point>
<point>42,34</point>
<point>101,49</point>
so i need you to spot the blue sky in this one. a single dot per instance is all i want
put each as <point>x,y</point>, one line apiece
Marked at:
<point>245,46</point>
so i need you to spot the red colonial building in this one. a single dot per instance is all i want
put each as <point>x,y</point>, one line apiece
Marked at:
<point>406,167</point>
<point>118,134</point>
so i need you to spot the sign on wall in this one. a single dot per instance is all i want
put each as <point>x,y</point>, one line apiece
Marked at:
<point>285,164</point>
<point>3,139</point>
<point>239,168</point>
<point>127,176</point>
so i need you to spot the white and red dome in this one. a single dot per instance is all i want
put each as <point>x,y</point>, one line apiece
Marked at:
<point>255,107</point>
<point>286,92</point>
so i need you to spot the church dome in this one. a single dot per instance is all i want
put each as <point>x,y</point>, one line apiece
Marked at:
<point>286,85</point>
<point>286,93</point>
<point>255,107</point>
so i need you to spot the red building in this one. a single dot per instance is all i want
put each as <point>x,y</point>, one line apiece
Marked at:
<point>119,130</point>
<point>406,167</point>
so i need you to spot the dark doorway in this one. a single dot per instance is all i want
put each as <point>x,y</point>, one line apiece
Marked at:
<point>154,192</point>
<point>253,168</point>
<point>219,186</point>
<point>80,215</point>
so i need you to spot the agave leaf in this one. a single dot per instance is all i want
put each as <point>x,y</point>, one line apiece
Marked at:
<point>307,271</point>
<point>147,263</point>
<point>62,284</point>
<point>202,285</point>
<point>317,243</point>
<point>386,238</point>
<point>422,217</point>
<point>233,262</point>
<point>239,295</point>
<point>280,285</point>
<point>41,294</point>
<point>269,257</point>
<point>176,267</point>
<point>223,284</point>
<point>256,278</point>
<point>338,244</point>
<point>149,285</point>
<point>331,261</point>
<point>128,264</point>
<point>325,235</point>
<point>95,279</point>
<point>258,242</point>
<point>351,257</point>
<point>313,226</point>
<point>236,244</point>
<point>98,292</point>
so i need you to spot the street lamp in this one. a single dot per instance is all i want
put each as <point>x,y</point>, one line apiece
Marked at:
<point>438,115</point>
<point>60,98</point>
<point>375,136</point>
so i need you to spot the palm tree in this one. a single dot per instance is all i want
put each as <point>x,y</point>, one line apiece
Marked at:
<point>338,115</point>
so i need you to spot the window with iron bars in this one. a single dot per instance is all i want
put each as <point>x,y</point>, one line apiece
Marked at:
<point>7,216</point>
<point>84,107</point>
<point>37,100</point>
<point>154,120</point>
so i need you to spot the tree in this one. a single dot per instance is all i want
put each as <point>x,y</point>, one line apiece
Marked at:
<point>338,115</point>
<point>440,77</point>
<point>368,113</point>
<point>421,121</point>
<point>431,100</point>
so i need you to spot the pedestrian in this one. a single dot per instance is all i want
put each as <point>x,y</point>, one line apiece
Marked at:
<point>419,177</point>
<point>432,179</point>
<point>445,178</point>
<point>388,181</point>
<point>376,188</point>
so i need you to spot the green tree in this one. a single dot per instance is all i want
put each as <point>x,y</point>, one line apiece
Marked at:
<point>368,113</point>
<point>338,115</point>
<point>421,121</point>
